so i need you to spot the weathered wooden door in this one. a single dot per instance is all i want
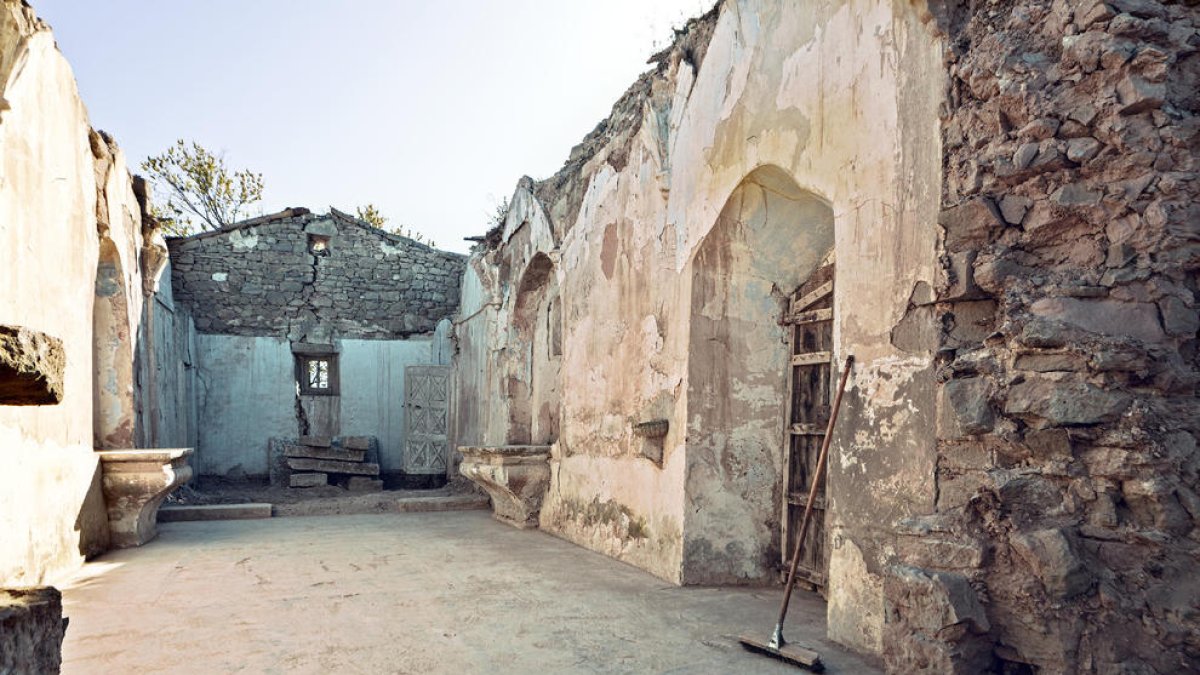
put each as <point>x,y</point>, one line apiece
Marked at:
<point>810,318</point>
<point>426,419</point>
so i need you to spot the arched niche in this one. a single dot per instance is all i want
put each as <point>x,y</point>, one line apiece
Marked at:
<point>768,240</point>
<point>114,415</point>
<point>536,339</point>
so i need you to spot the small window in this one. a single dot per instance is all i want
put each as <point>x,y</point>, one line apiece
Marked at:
<point>317,375</point>
<point>318,245</point>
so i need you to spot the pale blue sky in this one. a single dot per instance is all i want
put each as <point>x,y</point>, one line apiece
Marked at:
<point>430,109</point>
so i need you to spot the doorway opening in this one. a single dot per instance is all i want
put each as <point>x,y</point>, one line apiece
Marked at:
<point>769,239</point>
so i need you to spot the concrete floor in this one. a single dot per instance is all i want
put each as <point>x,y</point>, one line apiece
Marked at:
<point>407,593</point>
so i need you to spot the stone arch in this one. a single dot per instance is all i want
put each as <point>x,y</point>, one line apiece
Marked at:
<point>768,239</point>
<point>114,418</point>
<point>534,403</point>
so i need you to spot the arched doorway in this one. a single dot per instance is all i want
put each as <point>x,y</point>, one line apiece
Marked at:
<point>113,414</point>
<point>769,239</point>
<point>533,375</point>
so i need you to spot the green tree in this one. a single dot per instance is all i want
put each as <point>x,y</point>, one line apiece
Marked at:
<point>199,186</point>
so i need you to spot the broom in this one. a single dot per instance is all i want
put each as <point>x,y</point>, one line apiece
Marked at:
<point>777,646</point>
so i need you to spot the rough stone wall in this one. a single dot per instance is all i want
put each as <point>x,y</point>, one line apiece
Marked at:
<point>1065,535</point>
<point>68,215</point>
<point>259,278</point>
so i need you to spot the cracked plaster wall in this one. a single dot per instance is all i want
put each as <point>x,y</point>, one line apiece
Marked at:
<point>64,190</point>
<point>842,98</point>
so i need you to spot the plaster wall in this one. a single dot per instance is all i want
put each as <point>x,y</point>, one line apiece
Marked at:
<point>62,187</point>
<point>169,376</point>
<point>247,394</point>
<point>372,379</point>
<point>841,99</point>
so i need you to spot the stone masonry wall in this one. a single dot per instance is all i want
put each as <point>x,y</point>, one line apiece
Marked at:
<point>259,278</point>
<point>1065,536</point>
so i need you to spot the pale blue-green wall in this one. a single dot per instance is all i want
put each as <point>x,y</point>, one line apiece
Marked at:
<point>246,394</point>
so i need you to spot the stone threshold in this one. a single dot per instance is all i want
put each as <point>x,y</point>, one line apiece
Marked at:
<point>376,502</point>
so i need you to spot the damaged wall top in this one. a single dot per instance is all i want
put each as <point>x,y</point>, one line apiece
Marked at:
<point>303,275</point>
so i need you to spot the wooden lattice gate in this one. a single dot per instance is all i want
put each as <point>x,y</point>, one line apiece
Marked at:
<point>810,320</point>
<point>426,419</point>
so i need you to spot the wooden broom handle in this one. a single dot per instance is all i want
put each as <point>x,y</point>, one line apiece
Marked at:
<point>812,493</point>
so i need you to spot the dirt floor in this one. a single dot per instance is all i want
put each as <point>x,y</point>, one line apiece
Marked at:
<point>407,593</point>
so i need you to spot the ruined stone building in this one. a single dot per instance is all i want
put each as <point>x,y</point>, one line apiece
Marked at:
<point>993,206</point>
<point>993,209</point>
<point>271,297</point>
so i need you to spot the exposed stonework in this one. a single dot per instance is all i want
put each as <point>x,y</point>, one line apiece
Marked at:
<point>1067,465</point>
<point>264,277</point>
<point>31,367</point>
<point>31,630</point>
<point>1012,484</point>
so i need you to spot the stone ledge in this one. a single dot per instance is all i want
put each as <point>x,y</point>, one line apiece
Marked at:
<point>189,512</point>
<point>31,367</point>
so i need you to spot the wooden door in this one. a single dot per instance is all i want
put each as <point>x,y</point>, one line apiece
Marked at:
<point>426,419</point>
<point>810,320</point>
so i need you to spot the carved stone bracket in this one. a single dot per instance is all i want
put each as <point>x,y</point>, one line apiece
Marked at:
<point>135,484</point>
<point>515,476</point>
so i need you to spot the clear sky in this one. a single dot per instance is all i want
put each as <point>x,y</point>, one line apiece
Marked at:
<point>430,109</point>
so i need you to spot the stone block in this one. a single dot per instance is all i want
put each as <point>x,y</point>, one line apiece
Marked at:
<point>31,367</point>
<point>961,278</point>
<point>1139,95</point>
<point>303,480</point>
<point>364,484</point>
<point>338,454</point>
<point>973,321</point>
<point>1054,562</point>
<point>936,623</point>
<point>971,224</point>
<point>1050,363</point>
<point>1154,504</point>
<point>1049,443</point>
<point>31,630</point>
<point>179,513</point>
<point>964,409</point>
<point>1179,319</point>
<point>316,441</point>
<point>1065,402</point>
<point>333,466</point>
<point>1014,207</point>
<point>357,442</point>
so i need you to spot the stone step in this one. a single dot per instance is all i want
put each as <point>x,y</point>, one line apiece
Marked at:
<point>303,480</point>
<point>177,513</point>
<point>332,466</point>
<point>382,502</point>
<point>338,454</point>
<point>356,442</point>
<point>316,441</point>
